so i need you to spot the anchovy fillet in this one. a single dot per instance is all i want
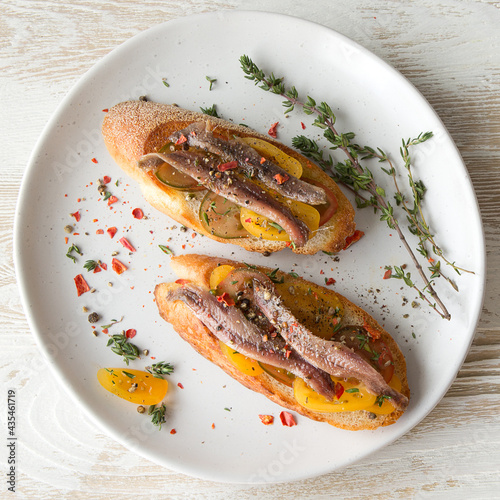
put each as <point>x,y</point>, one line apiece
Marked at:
<point>235,188</point>
<point>330,356</point>
<point>230,326</point>
<point>251,163</point>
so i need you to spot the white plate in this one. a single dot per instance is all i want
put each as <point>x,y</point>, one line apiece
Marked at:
<point>371,99</point>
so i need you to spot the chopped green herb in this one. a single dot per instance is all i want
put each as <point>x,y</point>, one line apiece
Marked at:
<point>164,80</point>
<point>294,275</point>
<point>380,399</point>
<point>90,265</point>
<point>157,415</point>
<point>205,218</point>
<point>129,375</point>
<point>160,369</point>
<point>165,249</point>
<point>120,345</point>
<point>107,194</point>
<point>352,390</point>
<point>113,322</point>
<point>276,226</point>
<point>210,111</point>
<point>212,81</point>
<point>274,278</point>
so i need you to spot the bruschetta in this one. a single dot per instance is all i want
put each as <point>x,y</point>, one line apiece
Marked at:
<point>227,181</point>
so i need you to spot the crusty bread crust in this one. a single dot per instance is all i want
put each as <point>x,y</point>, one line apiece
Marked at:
<point>134,128</point>
<point>198,268</point>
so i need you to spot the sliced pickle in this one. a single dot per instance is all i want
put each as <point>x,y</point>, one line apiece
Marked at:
<point>280,374</point>
<point>221,217</point>
<point>171,177</point>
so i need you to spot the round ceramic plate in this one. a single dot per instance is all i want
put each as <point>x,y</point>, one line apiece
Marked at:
<point>219,435</point>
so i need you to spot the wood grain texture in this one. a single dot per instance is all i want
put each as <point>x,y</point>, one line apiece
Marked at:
<point>450,50</point>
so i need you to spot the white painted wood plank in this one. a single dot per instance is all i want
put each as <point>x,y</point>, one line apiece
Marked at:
<point>451,51</point>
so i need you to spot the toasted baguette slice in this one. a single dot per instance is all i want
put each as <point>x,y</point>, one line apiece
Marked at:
<point>197,269</point>
<point>134,128</point>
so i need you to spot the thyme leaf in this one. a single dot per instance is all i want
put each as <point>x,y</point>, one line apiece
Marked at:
<point>157,415</point>
<point>165,249</point>
<point>160,369</point>
<point>211,111</point>
<point>120,345</point>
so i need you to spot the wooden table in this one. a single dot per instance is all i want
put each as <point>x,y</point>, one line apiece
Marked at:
<point>450,50</point>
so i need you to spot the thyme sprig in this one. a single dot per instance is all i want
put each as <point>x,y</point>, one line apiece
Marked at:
<point>211,111</point>
<point>121,345</point>
<point>160,369</point>
<point>358,178</point>
<point>157,415</point>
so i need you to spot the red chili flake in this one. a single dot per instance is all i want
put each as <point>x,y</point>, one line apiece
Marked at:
<point>287,353</point>
<point>99,231</point>
<point>105,110</point>
<point>352,239</point>
<point>81,285</point>
<point>226,298</point>
<point>76,215</point>
<point>302,125</point>
<point>280,179</point>
<point>272,130</point>
<point>181,281</point>
<point>131,333</point>
<point>373,332</point>
<point>118,267</point>
<point>231,165</point>
<point>111,200</point>
<point>330,281</point>
<point>111,231</point>
<point>287,419</point>
<point>181,140</point>
<point>322,272</point>
<point>104,266</point>
<point>106,179</point>
<point>94,160</point>
<point>173,431</point>
<point>262,160</point>
<point>213,426</point>
<point>66,239</point>
<point>387,274</point>
<point>180,386</point>
<point>339,390</point>
<point>105,330</point>
<point>266,419</point>
<point>126,244</point>
<point>137,213</point>
<point>248,220</point>
<point>97,269</point>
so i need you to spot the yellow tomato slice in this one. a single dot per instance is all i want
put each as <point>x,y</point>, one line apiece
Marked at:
<point>135,386</point>
<point>218,274</point>
<point>275,155</point>
<point>355,397</point>
<point>317,309</point>
<point>262,227</point>
<point>245,365</point>
<point>386,407</point>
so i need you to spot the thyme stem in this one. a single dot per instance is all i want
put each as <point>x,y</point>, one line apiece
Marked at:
<point>353,174</point>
